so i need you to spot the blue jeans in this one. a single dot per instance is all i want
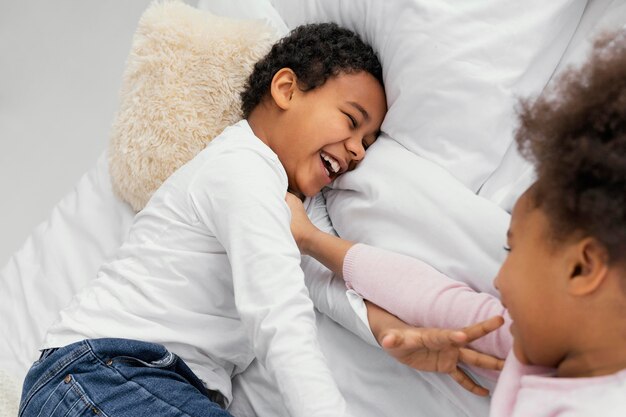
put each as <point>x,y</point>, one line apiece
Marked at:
<point>115,378</point>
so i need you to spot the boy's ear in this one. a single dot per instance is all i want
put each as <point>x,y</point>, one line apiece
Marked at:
<point>589,264</point>
<point>284,83</point>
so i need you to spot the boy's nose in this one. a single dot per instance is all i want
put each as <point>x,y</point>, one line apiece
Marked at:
<point>356,149</point>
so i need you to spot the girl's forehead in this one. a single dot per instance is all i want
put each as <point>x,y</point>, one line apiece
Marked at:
<point>528,218</point>
<point>522,207</point>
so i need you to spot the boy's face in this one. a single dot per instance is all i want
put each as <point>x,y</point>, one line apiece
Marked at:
<point>531,285</point>
<point>325,131</point>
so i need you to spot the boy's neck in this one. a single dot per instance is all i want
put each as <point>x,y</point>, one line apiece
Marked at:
<point>256,120</point>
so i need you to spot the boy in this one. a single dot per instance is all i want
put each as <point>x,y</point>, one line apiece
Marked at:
<point>209,276</point>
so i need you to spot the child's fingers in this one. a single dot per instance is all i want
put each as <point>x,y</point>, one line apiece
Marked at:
<point>443,338</point>
<point>478,330</point>
<point>480,360</point>
<point>392,340</point>
<point>468,383</point>
<point>435,339</point>
<point>412,338</point>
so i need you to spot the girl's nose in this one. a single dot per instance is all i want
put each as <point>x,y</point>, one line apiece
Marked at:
<point>495,282</point>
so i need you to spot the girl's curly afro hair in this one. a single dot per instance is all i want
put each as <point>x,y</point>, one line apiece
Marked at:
<point>314,52</point>
<point>576,135</point>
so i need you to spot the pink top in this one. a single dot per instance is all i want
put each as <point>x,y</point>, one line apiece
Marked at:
<point>524,391</point>
<point>422,296</point>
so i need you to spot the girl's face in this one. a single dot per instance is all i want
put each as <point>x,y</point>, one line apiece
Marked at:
<point>325,131</point>
<point>532,284</point>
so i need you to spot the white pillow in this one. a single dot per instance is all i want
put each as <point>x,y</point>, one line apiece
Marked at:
<point>413,206</point>
<point>515,174</point>
<point>453,69</point>
<point>246,9</point>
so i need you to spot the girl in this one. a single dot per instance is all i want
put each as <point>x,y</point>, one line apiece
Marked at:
<point>563,284</point>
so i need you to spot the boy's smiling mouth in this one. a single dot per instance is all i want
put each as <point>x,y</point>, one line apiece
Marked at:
<point>332,165</point>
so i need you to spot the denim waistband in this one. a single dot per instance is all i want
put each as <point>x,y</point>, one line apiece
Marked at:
<point>151,354</point>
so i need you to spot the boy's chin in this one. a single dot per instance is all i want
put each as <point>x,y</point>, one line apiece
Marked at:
<point>298,194</point>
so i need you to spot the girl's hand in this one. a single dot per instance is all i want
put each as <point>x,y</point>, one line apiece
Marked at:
<point>440,350</point>
<point>301,227</point>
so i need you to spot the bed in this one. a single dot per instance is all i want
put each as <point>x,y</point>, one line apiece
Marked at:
<point>439,185</point>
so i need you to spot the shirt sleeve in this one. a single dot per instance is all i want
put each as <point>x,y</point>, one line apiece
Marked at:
<point>327,290</point>
<point>241,197</point>
<point>422,296</point>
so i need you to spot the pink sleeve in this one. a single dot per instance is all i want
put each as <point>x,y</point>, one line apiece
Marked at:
<point>422,296</point>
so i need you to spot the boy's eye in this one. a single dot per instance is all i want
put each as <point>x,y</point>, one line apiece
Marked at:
<point>507,248</point>
<point>352,120</point>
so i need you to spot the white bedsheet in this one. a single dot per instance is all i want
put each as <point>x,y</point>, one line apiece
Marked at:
<point>59,257</point>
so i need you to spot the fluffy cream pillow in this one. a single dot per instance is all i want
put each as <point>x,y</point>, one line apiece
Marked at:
<point>180,89</point>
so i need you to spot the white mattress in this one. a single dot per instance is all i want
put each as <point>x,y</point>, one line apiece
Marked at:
<point>402,198</point>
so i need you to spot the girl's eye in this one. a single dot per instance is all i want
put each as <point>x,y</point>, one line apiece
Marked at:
<point>506,248</point>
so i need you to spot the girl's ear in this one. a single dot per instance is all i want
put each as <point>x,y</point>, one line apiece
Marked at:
<point>589,266</point>
<point>284,83</point>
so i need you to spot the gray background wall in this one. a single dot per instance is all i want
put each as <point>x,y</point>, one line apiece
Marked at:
<point>61,64</point>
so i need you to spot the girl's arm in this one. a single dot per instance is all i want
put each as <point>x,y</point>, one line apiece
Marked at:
<point>422,296</point>
<point>406,287</point>
<point>328,249</point>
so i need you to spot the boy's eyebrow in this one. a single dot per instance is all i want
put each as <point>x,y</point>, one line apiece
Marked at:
<point>361,109</point>
<point>509,234</point>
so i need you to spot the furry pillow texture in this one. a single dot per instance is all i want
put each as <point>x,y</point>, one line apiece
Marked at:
<point>180,89</point>
<point>9,399</point>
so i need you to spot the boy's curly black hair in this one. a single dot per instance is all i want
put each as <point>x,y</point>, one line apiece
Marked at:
<point>576,135</point>
<point>314,52</point>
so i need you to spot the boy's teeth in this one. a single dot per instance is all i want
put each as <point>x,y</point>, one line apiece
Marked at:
<point>333,163</point>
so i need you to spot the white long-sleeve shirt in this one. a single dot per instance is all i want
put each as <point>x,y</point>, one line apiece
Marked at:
<point>211,271</point>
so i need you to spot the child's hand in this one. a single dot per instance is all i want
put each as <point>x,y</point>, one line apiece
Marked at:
<point>441,350</point>
<point>301,226</point>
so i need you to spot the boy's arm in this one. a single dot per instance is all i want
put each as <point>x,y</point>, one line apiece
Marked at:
<point>240,197</point>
